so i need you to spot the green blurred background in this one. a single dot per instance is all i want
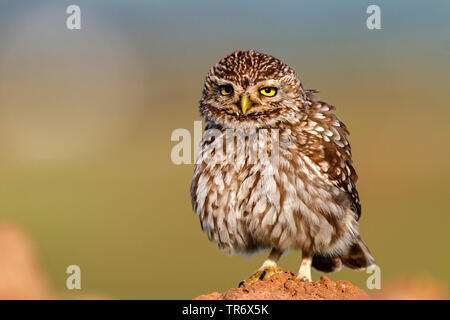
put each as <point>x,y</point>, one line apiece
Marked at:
<point>86,118</point>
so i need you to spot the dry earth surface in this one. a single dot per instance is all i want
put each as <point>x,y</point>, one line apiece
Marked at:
<point>282,287</point>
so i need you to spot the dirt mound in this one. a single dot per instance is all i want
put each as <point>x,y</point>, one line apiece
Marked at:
<point>282,287</point>
<point>419,288</point>
<point>21,274</point>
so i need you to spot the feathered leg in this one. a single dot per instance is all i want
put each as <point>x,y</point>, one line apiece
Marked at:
<point>304,274</point>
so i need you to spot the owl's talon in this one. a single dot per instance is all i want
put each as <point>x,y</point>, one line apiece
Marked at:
<point>261,277</point>
<point>262,274</point>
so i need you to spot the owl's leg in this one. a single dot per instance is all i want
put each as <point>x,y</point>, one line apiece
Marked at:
<point>304,274</point>
<point>268,269</point>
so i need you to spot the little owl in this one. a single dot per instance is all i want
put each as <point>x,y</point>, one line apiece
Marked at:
<point>302,196</point>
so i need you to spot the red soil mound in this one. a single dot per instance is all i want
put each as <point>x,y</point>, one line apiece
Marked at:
<point>281,287</point>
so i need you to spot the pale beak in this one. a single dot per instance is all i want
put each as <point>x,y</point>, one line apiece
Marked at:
<point>245,103</point>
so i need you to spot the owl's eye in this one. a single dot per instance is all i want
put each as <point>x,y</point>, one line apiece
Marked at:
<point>226,90</point>
<point>268,91</point>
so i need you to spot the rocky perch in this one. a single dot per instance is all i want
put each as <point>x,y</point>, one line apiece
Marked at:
<point>282,287</point>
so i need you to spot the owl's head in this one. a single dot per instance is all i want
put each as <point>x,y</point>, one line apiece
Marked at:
<point>248,89</point>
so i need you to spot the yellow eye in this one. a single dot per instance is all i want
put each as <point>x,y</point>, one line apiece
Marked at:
<point>226,90</point>
<point>268,91</point>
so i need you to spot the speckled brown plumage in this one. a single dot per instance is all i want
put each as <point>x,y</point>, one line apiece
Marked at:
<point>304,198</point>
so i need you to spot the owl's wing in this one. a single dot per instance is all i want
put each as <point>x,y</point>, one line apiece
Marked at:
<point>325,143</point>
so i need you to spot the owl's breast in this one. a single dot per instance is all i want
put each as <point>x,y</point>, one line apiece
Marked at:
<point>249,198</point>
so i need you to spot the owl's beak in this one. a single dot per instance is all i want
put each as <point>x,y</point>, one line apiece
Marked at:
<point>245,103</point>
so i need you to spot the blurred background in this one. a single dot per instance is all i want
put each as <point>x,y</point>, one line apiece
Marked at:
<point>86,118</point>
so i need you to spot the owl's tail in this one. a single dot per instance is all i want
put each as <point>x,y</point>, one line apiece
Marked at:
<point>357,258</point>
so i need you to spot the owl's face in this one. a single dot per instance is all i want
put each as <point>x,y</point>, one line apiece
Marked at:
<point>248,89</point>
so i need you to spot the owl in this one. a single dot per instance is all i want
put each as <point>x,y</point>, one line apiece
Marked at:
<point>275,171</point>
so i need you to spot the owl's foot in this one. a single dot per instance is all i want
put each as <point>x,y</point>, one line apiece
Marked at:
<point>265,272</point>
<point>303,278</point>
